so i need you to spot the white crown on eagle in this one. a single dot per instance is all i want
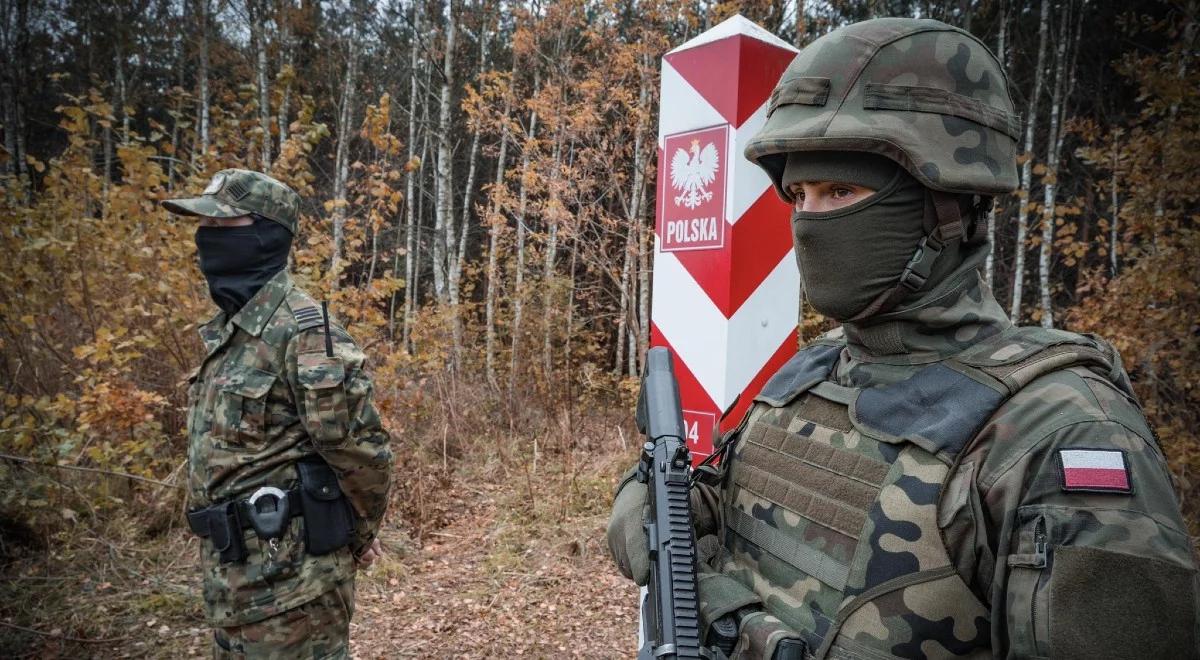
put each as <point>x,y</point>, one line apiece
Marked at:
<point>691,174</point>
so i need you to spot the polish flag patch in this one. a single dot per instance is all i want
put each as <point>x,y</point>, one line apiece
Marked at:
<point>1095,470</point>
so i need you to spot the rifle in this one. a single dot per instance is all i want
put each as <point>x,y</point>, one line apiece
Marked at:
<point>671,608</point>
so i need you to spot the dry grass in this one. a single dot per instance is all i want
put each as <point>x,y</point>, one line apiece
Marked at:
<point>491,557</point>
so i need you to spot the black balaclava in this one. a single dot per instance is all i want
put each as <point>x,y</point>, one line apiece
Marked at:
<point>850,256</point>
<point>238,261</point>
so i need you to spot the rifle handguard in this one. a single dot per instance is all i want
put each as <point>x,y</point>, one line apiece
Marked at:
<point>671,610</point>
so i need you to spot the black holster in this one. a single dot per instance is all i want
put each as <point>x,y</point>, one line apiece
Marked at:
<point>328,521</point>
<point>225,532</point>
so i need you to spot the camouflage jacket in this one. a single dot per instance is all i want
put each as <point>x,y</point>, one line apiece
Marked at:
<point>863,511</point>
<point>265,396</point>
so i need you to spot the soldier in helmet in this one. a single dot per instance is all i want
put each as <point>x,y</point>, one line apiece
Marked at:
<point>288,465</point>
<point>928,480</point>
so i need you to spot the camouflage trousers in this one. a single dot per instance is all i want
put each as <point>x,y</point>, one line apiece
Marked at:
<point>316,630</point>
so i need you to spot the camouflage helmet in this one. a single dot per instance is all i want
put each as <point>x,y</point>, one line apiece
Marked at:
<point>239,192</point>
<point>923,93</point>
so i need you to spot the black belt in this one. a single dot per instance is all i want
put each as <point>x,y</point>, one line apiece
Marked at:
<point>198,520</point>
<point>329,520</point>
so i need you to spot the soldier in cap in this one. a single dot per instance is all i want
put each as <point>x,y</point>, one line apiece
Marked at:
<point>288,464</point>
<point>927,480</point>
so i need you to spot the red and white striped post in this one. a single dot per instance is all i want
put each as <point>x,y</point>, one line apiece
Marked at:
<point>726,288</point>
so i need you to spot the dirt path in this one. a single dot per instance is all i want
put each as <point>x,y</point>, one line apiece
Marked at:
<point>517,566</point>
<point>488,586</point>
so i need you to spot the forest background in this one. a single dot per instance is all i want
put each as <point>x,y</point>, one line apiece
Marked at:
<point>478,182</point>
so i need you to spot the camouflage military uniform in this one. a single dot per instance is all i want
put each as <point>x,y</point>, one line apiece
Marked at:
<point>269,393</point>
<point>948,543</point>
<point>929,480</point>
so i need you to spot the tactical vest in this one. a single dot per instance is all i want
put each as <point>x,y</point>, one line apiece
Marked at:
<point>835,501</point>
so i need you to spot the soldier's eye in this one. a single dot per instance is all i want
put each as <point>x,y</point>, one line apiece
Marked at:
<point>841,192</point>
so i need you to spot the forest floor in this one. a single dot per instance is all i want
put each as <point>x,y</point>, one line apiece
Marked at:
<point>508,567</point>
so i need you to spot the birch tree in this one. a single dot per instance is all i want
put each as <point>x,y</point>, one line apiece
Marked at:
<point>633,211</point>
<point>256,11</point>
<point>13,16</point>
<point>203,11</point>
<point>1002,55</point>
<point>1063,83</point>
<point>412,170</point>
<point>341,166</point>
<point>284,16</point>
<point>1018,277</point>
<point>443,229</point>
<point>458,253</point>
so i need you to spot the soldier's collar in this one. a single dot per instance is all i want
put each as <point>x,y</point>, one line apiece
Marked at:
<point>253,316</point>
<point>944,325</point>
<point>212,331</point>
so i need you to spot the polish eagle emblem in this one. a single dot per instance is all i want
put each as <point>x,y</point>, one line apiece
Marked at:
<point>691,172</point>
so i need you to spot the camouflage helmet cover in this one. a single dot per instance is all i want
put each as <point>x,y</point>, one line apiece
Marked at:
<point>234,192</point>
<point>925,94</point>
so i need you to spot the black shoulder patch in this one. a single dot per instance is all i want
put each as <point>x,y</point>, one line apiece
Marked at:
<point>308,317</point>
<point>937,409</point>
<point>810,366</point>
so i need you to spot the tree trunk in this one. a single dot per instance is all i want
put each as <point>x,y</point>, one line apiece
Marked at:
<point>410,176</point>
<point>122,93</point>
<point>341,168</point>
<point>990,266</point>
<point>801,25</point>
<point>549,257</point>
<point>459,253</point>
<point>8,84</point>
<point>623,308</point>
<point>1160,199</point>
<point>1018,285</point>
<point>518,293</point>
<point>287,55</point>
<point>421,195</point>
<point>645,247</point>
<point>569,331</point>
<point>202,75</point>
<point>1115,208</point>
<point>443,240</point>
<point>1058,99</point>
<point>13,72</point>
<point>258,41</point>
<point>495,227</point>
<point>633,212</point>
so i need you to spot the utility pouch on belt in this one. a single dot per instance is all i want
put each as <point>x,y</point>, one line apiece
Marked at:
<point>225,532</point>
<point>328,524</point>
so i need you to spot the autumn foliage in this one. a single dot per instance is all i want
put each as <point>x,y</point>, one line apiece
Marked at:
<point>492,250</point>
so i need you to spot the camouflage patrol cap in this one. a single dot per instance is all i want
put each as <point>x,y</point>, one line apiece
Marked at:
<point>238,192</point>
<point>925,94</point>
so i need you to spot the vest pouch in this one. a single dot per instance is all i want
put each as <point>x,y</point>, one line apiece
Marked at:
<point>328,524</point>
<point>721,595</point>
<point>765,636</point>
<point>225,533</point>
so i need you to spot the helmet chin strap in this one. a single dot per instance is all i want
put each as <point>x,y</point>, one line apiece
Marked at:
<point>948,226</point>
